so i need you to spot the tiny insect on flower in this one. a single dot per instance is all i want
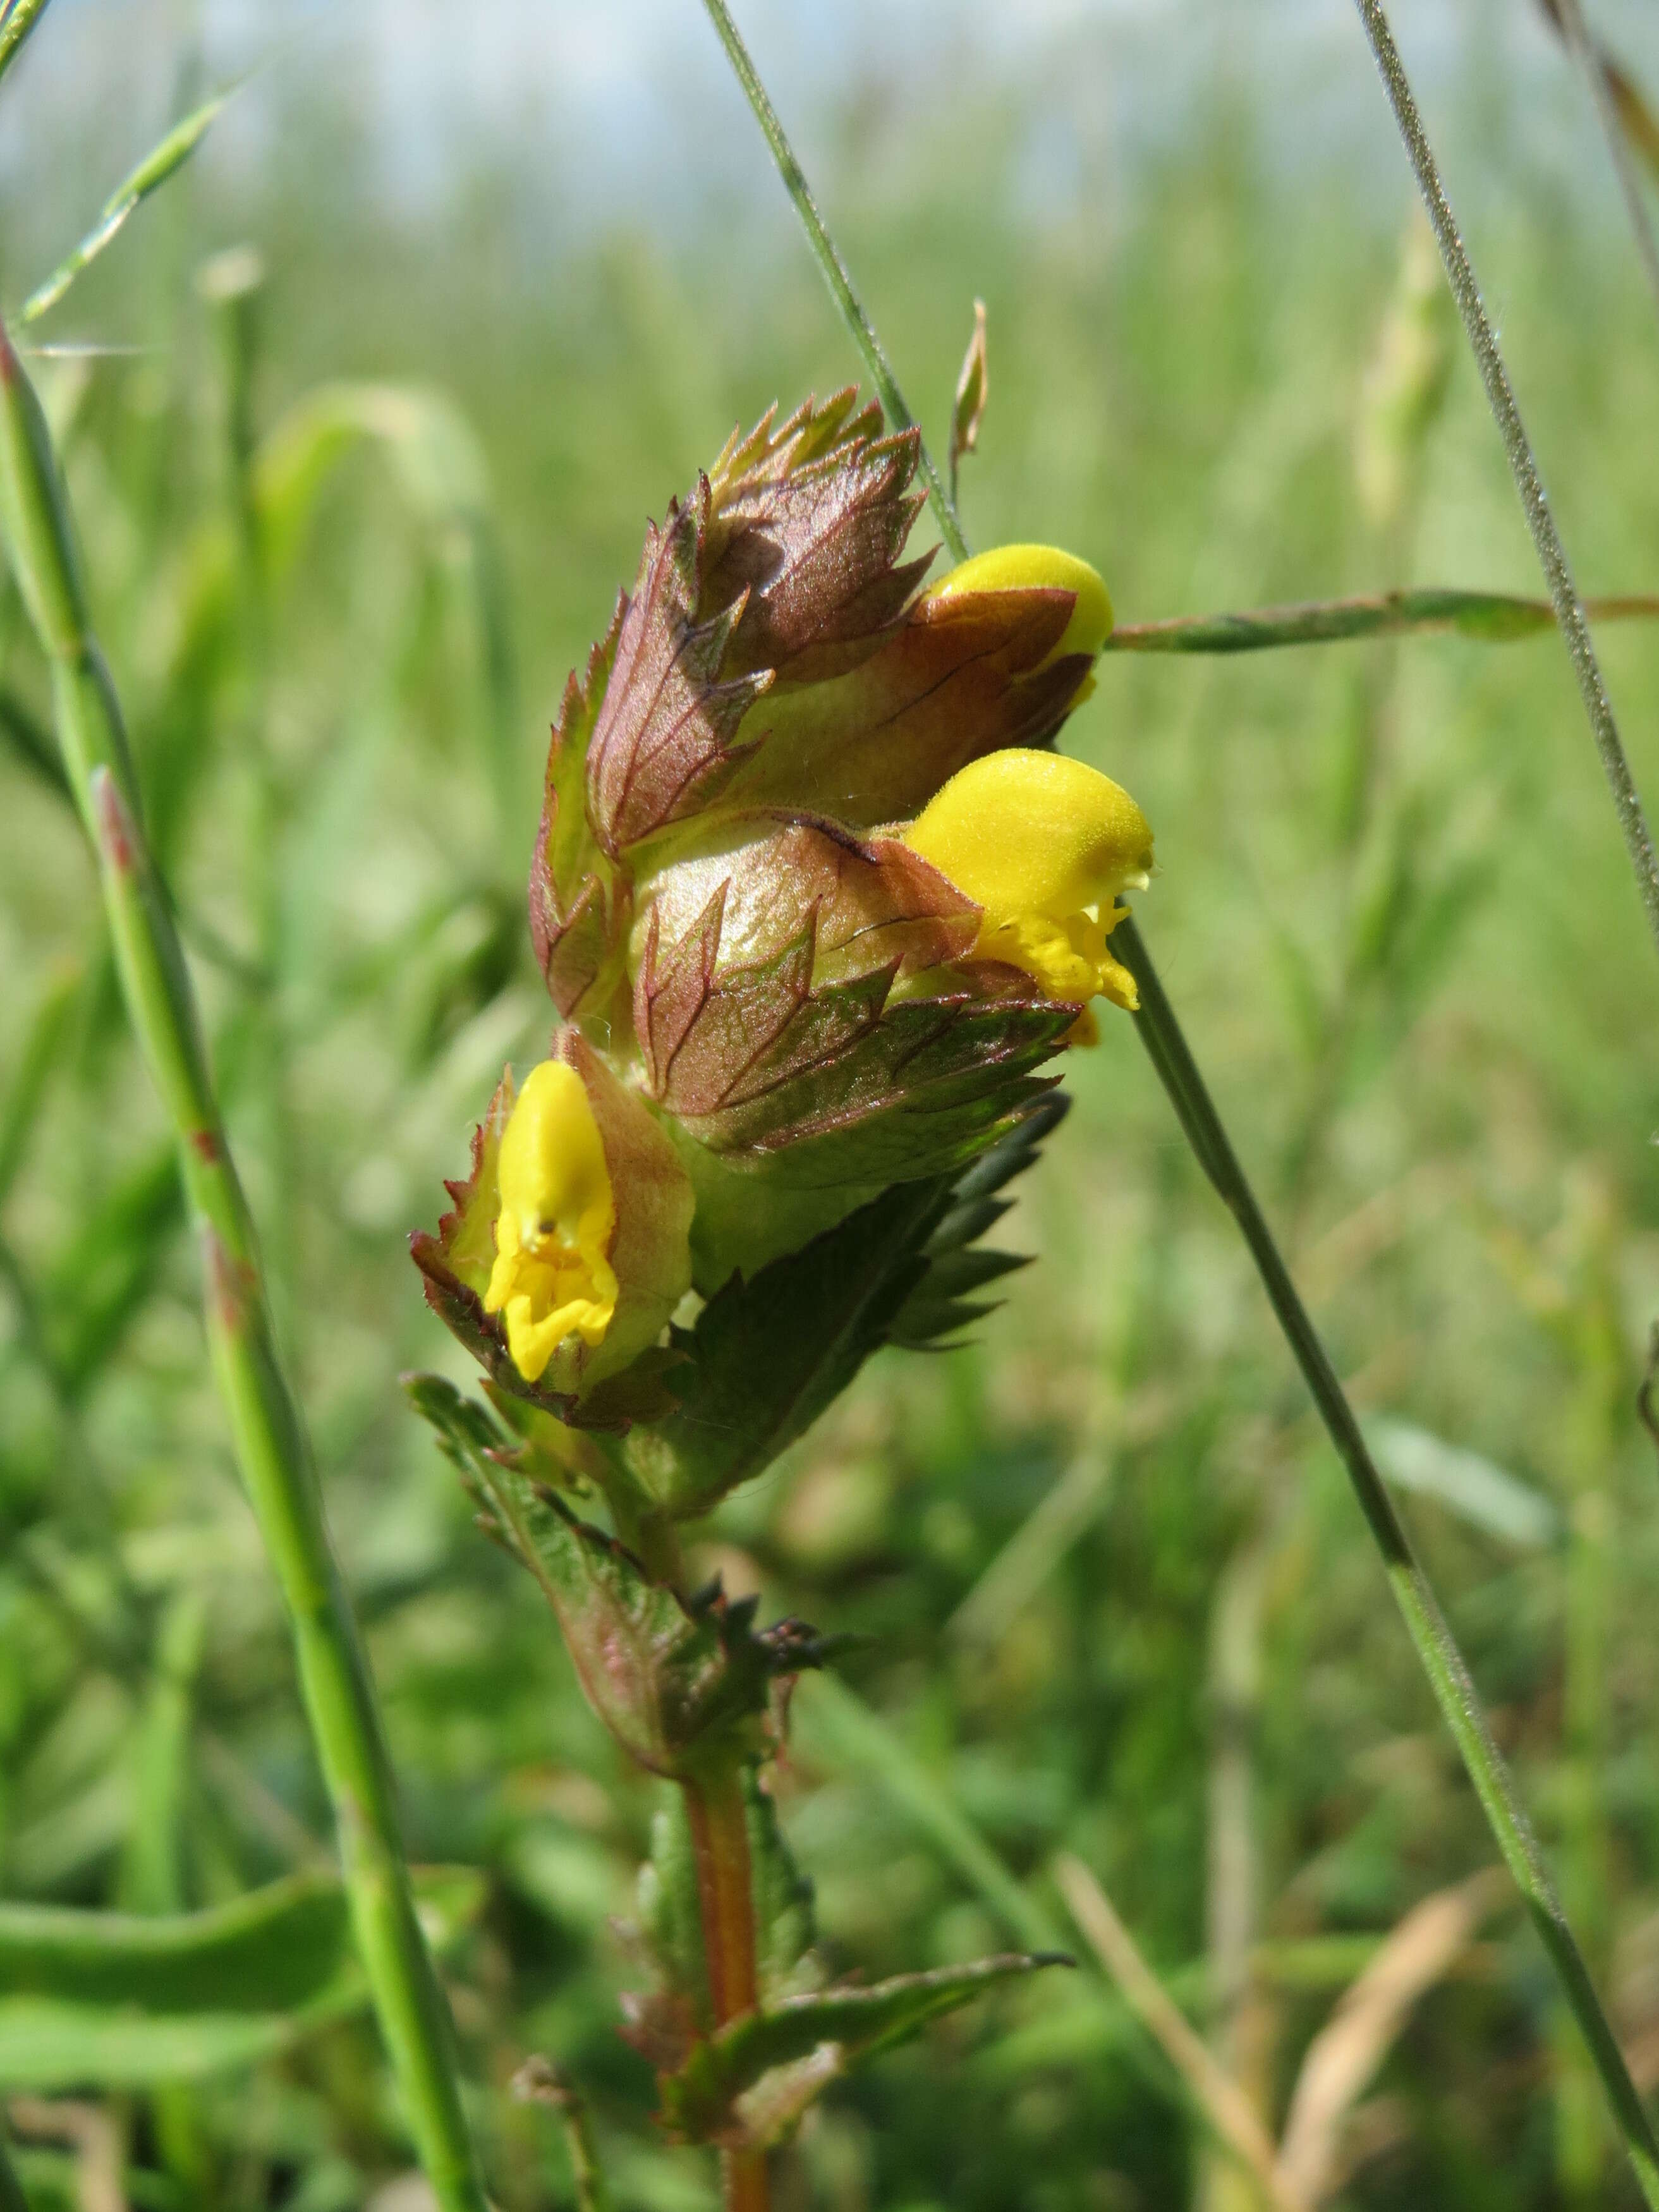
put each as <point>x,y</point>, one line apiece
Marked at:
<point>553,1277</point>
<point>1042,845</point>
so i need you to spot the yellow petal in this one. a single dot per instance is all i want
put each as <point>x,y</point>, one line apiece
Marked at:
<point>552,1277</point>
<point>1044,567</point>
<point>1027,833</point>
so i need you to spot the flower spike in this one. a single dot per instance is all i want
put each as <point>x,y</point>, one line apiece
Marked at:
<point>817,906</point>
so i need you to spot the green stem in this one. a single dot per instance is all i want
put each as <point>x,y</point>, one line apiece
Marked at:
<point>16,21</point>
<point>1494,617</point>
<point>586,2174</point>
<point>1523,466</point>
<point>1161,1033</point>
<point>834,269</point>
<point>1443,1662</point>
<point>537,2081</point>
<point>272,1447</point>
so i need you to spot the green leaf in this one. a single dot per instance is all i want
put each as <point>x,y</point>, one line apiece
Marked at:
<point>941,1304</point>
<point>111,2000</point>
<point>670,1924</point>
<point>923,1089</point>
<point>161,163</point>
<point>722,2092</point>
<point>785,1928</point>
<point>769,1353</point>
<point>665,2024</point>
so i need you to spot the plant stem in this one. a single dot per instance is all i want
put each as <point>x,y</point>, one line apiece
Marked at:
<point>1523,466</point>
<point>717,1809</point>
<point>1161,1033</point>
<point>1494,617</point>
<point>17,19</point>
<point>271,1444</point>
<point>537,2081</point>
<point>835,269</point>
<point>1443,1662</point>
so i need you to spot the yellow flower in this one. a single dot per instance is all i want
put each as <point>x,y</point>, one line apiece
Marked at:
<point>1042,568</point>
<point>552,1277</point>
<point>1043,846</point>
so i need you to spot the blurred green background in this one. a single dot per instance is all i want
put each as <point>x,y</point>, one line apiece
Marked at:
<point>351,504</point>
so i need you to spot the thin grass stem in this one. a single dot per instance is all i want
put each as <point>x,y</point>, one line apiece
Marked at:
<point>1437,1647</point>
<point>1523,466</point>
<point>267,1432</point>
<point>1161,1033</point>
<point>1488,617</point>
<point>835,269</point>
<point>537,2081</point>
<point>17,19</point>
<point>160,163</point>
<point>1218,2096</point>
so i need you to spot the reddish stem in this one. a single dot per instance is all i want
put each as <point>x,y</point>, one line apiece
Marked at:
<point>742,2180</point>
<point>719,1817</point>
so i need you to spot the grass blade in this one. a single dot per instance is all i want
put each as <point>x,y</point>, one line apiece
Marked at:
<point>1167,1047</point>
<point>1492,617</point>
<point>1218,2096</point>
<point>126,2001</point>
<point>272,1449</point>
<point>161,163</point>
<point>1344,2056</point>
<point>1523,466</point>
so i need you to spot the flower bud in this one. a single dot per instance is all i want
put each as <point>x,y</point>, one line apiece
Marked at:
<point>1042,845</point>
<point>776,653</point>
<point>1044,568</point>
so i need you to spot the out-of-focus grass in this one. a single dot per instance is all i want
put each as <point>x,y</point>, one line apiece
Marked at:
<point>1455,1127</point>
